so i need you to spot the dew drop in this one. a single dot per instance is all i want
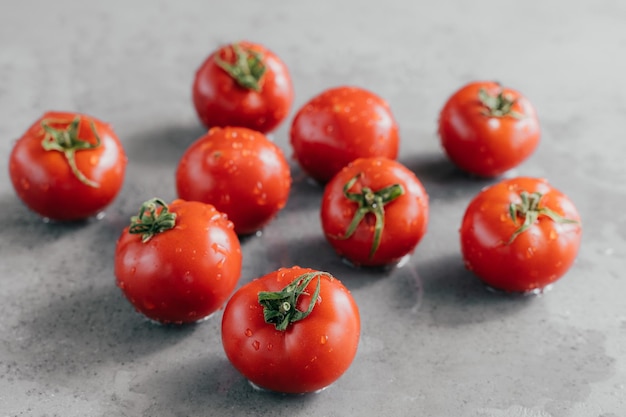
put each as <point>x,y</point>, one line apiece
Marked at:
<point>133,270</point>
<point>25,184</point>
<point>248,332</point>
<point>93,160</point>
<point>270,346</point>
<point>256,345</point>
<point>553,235</point>
<point>323,339</point>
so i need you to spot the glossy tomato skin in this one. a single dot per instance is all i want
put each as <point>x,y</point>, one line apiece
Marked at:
<point>485,145</point>
<point>238,170</point>
<point>310,354</point>
<point>535,258</point>
<point>183,274</point>
<point>406,218</point>
<point>340,125</point>
<point>44,180</point>
<point>220,101</point>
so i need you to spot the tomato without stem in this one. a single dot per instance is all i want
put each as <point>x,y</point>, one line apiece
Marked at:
<point>340,125</point>
<point>520,235</point>
<point>374,211</point>
<point>67,166</point>
<point>294,330</point>
<point>487,129</point>
<point>243,84</point>
<point>240,172</point>
<point>178,263</point>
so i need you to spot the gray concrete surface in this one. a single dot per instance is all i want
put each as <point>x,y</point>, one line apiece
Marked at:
<point>434,341</point>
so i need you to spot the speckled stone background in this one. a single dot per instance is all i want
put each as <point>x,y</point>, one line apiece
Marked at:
<point>434,341</point>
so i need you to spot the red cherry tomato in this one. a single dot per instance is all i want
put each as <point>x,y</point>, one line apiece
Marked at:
<point>243,84</point>
<point>67,166</point>
<point>374,211</point>
<point>295,330</point>
<point>240,172</point>
<point>178,263</point>
<point>340,125</point>
<point>520,235</point>
<point>486,129</point>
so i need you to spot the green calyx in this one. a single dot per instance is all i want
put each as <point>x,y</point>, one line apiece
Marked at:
<point>373,202</point>
<point>499,105</point>
<point>248,68</point>
<point>154,217</point>
<point>68,143</point>
<point>280,307</point>
<point>530,210</point>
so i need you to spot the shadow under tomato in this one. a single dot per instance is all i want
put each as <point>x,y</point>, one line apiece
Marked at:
<point>162,145</point>
<point>211,383</point>
<point>455,296</point>
<point>442,179</point>
<point>81,330</point>
<point>23,229</point>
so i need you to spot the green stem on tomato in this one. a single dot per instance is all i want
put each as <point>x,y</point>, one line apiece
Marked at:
<point>280,307</point>
<point>499,105</point>
<point>529,209</point>
<point>68,143</point>
<point>248,68</point>
<point>153,217</point>
<point>373,202</point>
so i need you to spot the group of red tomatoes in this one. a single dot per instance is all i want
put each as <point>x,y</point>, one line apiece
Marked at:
<point>296,330</point>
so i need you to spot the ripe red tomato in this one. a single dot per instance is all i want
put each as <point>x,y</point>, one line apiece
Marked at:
<point>67,166</point>
<point>294,330</point>
<point>340,125</point>
<point>520,235</point>
<point>487,129</point>
<point>238,170</point>
<point>243,84</point>
<point>177,263</point>
<point>374,211</point>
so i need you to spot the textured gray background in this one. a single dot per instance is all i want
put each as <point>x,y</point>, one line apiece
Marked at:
<point>434,341</point>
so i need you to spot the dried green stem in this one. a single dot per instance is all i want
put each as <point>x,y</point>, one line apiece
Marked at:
<point>530,210</point>
<point>248,68</point>
<point>280,307</point>
<point>373,202</point>
<point>499,105</point>
<point>153,217</point>
<point>68,143</point>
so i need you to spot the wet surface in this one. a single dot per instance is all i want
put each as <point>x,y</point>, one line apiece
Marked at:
<point>435,341</point>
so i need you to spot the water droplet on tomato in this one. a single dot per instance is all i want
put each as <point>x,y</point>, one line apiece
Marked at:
<point>93,160</point>
<point>248,332</point>
<point>148,305</point>
<point>323,339</point>
<point>121,284</point>
<point>220,263</point>
<point>25,184</point>
<point>270,346</point>
<point>329,129</point>
<point>553,235</point>
<point>530,252</point>
<point>179,250</point>
<point>217,248</point>
<point>504,217</point>
<point>133,270</point>
<point>256,345</point>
